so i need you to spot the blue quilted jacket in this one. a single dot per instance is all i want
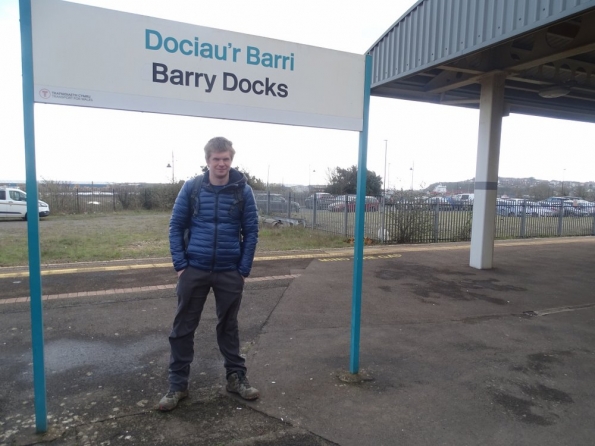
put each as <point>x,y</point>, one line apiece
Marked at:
<point>222,237</point>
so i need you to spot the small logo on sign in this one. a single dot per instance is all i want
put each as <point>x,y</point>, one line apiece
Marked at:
<point>45,93</point>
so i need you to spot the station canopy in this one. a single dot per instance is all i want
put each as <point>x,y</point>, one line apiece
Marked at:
<point>440,50</point>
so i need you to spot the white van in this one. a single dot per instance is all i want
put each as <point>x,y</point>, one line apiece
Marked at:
<point>463,201</point>
<point>13,204</point>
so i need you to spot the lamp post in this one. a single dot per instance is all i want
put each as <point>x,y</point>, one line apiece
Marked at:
<point>268,170</point>
<point>412,169</point>
<point>173,171</point>
<point>385,153</point>
<point>563,175</point>
<point>388,178</point>
<point>383,233</point>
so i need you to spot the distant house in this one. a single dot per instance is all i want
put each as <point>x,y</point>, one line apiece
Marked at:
<point>440,189</point>
<point>300,189</point>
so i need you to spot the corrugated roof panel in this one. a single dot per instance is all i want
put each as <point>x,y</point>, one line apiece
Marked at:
<point>433,32</point>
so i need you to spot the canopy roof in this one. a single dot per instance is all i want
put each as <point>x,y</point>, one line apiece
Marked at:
<point>440,50</point>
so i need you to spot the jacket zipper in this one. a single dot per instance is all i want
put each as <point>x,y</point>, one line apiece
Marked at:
<point>214,258</point>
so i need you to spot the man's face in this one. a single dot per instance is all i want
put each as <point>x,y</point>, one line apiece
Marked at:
<point>219,164</point>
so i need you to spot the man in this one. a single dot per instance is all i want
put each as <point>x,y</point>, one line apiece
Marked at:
<point>221,226</point>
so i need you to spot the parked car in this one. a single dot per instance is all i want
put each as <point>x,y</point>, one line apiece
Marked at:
<point>502,207</point>
<point>569,206</point>
<point>323,199</point>
<point>462,201</point>
<point>575,209</point>
<point>513,207</point>
<point>338,203</point>
<point>540,211</point>
<point>13,204</point>
<point>587,207</point>
<point>439,203</point>
<point>372,204</point>
<point>277,203</point>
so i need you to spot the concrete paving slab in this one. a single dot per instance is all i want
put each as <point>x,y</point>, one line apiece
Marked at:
<point>456,355</point>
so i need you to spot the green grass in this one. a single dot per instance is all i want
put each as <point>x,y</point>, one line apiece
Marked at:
<point>126,235</point>
<point>293,238</point>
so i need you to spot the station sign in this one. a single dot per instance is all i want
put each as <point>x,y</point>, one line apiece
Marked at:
<point>96,57</point>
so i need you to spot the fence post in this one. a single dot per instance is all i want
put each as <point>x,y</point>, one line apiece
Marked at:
<point>268,202</point>
<point>114,199</point>
<point>560,217</point>
<point>77,200</point>
<point>593,231</point>
<point>345,219</point>
<point>383,230</point>
<point>523,218</point>
<point>289,205</point>
<point>436,222</point>
<point>314,209</point>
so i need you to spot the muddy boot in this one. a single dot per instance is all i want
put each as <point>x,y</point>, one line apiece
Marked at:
<point>171,400</point>
<point>238,383</point>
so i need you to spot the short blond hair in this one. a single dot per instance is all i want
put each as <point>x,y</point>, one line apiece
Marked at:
<point>219,144</point>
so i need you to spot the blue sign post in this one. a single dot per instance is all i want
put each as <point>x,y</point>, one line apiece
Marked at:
<point>360,212</point>
<point>33,219</point>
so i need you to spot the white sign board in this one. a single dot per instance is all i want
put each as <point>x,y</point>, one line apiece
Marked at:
<point>96,57</point>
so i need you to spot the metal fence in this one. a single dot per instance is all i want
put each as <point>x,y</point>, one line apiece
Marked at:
<point>399,221</point>
<point>417,221</point>
<point>64,199</point>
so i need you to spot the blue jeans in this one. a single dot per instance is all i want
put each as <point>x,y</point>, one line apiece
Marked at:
<point>193,288</point>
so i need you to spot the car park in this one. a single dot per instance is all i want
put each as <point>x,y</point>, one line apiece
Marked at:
<point>322,200</point>
<point>13,204</point>
<point>274,203</point>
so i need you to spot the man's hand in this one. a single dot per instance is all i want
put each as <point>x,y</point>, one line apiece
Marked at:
<point>180,272</point>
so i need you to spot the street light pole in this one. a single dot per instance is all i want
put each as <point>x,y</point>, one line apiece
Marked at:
<point>173,169</point>
<point>563,175</point>
<point>388,178</point>
<point>383,233</point>
<point>385,153</point>
<point>412,169</point>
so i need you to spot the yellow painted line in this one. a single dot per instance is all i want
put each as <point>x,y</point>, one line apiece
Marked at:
<point>53,272</point>
<point>92,269</point>
<point>343,259</point>
<point>376,250</point>
<point>118,291</point>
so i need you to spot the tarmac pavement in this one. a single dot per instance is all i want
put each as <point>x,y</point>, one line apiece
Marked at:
<point>449,355</point>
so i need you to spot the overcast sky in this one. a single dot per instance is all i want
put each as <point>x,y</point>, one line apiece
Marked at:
<point>439,142</point>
